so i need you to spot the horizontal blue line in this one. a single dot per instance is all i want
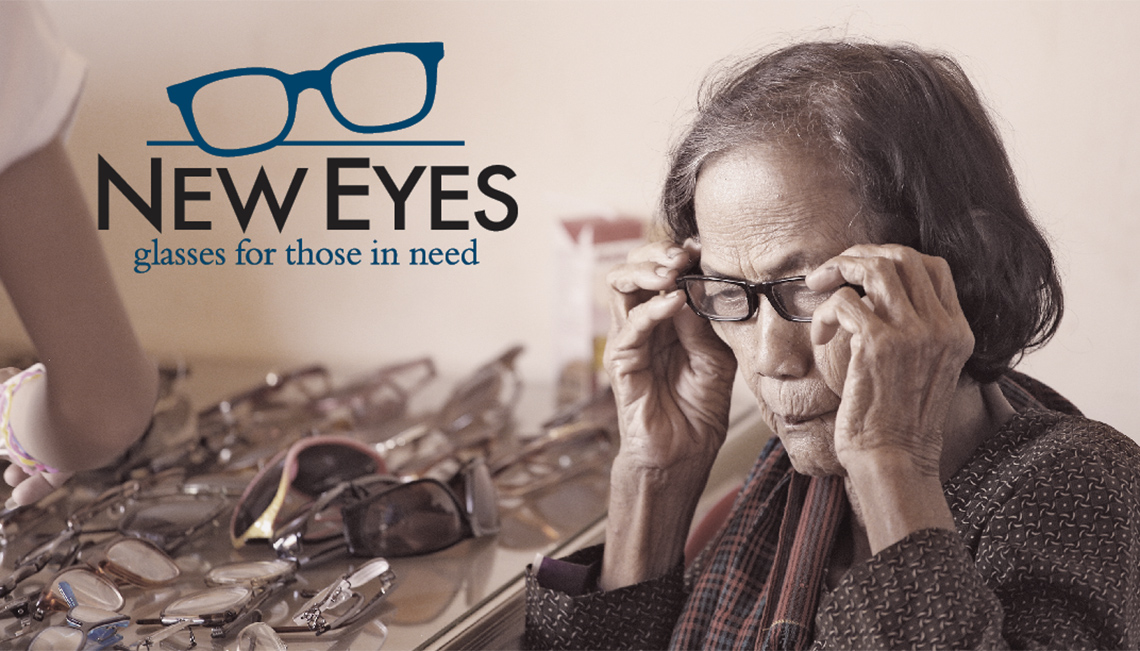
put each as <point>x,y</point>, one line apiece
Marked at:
<point>330,143</point>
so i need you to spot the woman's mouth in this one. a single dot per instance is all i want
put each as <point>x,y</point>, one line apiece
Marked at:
<point>792,421</point>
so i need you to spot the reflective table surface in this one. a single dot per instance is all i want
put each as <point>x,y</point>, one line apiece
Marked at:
<point>466,596</point>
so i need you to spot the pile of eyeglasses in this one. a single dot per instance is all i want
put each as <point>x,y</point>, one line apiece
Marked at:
<point>306,474</point>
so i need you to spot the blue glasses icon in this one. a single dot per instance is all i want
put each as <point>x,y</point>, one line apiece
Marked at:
<point>267,98</point>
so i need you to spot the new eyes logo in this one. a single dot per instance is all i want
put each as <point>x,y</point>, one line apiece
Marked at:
<point>377,89</point>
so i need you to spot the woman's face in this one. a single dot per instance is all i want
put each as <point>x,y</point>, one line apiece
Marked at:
<point>763,214</point>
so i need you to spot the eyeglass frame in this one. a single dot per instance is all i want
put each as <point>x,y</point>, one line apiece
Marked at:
<point>752,292</point>
<point>109,625</point>
<point>182,94</point>
<point>311,616</point>
<point>258,590</point>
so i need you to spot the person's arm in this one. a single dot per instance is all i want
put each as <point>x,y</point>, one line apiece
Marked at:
<point>672,379</point>
<point>99,390</point>
<point>909,342</point>
<point>1044,555</point>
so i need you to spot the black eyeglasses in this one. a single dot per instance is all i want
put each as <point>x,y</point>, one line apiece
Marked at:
<point>729,299</point>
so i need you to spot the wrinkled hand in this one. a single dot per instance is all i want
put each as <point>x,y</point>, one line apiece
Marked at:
<point>672,376</point>
<point>909,341</point>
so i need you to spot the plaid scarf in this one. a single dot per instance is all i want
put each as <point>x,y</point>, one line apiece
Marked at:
<point>761,585</point>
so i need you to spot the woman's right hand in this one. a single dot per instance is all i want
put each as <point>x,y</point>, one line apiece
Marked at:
<point>672,379</point>
<point>672,376</point>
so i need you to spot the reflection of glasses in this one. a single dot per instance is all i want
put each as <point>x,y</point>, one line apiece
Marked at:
<point>311,466</point>
<point>331,88</point>
<point>384,516</point>
<point>728,299</point>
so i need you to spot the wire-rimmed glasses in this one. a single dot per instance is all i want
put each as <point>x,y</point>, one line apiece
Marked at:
<point>340,602</point>
<point>236,591</point>
<point>323,80</point>
<point>164,509</point>
<point>730,299</point>
<point>127,561</point>
<point>477,412</point>
<point>88,627</point>
<point>378,398</point>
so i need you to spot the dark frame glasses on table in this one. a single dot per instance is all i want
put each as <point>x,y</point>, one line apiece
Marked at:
<point>385,516</point>
<point>378,398</point>
<point>310,467</point>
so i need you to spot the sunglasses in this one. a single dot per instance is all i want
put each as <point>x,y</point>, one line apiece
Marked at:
<point>309,468</point>
<point>382,515</point>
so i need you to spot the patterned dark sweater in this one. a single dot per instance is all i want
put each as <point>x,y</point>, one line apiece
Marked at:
<point>1047,555</point>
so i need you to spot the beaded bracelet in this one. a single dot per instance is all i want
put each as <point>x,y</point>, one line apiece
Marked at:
<point>14,451</point>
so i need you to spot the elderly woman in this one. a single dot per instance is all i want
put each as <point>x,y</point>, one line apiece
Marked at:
<point>847,231</point>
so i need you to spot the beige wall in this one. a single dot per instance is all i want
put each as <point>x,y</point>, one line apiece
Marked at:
<point>580,99</point>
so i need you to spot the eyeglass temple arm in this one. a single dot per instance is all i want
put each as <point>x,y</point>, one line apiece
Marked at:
<point>289,547</point>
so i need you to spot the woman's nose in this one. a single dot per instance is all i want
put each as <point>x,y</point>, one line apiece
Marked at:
<point>783,348</point>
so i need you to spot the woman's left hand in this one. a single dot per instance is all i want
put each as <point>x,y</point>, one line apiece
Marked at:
<point>909,342</point>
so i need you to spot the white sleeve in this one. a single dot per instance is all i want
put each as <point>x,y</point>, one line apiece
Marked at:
<point>40,81</point>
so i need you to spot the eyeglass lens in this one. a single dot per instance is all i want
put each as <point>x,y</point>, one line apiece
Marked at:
<point>169,523</point>
<point>86,587</point>
<point>318,467</point>
<point>259,636</point>
<point>418,517</point>
<point>732,300</point>
<point>209,602</point>
<point>136,561</point>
